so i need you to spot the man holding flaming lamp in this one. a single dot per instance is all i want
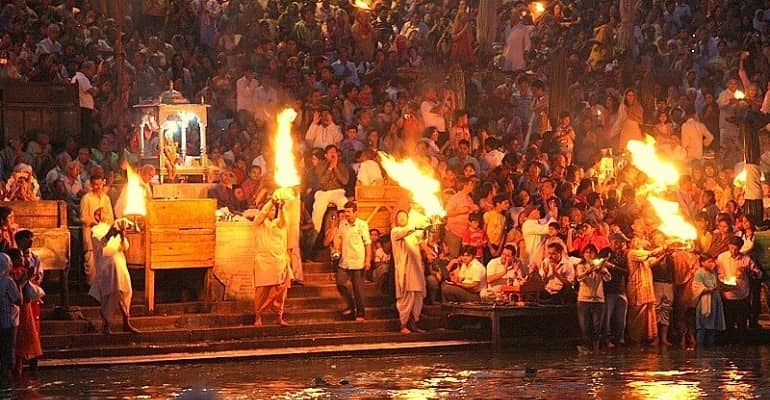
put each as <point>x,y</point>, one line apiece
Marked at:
<point>734,270</point>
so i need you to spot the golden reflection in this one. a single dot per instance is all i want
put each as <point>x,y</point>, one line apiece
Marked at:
<point>414,394</point>
<point>734,387</point>
<point>665,390</point>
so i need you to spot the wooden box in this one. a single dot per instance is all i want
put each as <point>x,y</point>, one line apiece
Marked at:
<point>39,214</point>
<point>377,204</point>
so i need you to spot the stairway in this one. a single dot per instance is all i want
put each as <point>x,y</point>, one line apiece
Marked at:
<point>206,330</point>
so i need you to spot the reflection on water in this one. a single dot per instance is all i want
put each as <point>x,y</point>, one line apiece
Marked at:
<point>735,373</point>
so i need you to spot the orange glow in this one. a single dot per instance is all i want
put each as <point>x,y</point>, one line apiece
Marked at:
<point>739,95</point>
<point>286,175</point>
<point>134,196</point>
<point>362,5</point>
<point>740,179</point>
<point>537,9</point>
<point>423,187</point>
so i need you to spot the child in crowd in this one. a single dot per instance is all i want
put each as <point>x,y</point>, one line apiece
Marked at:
<point>476,237</point>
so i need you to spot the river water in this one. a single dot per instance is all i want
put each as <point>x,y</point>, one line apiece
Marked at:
<point>535,373</point>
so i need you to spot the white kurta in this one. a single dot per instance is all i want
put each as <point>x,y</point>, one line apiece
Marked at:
<point>409,270</point>
<point>271,261</point>
<point>112,275</point>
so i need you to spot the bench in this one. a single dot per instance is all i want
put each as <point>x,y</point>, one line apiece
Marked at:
<point>495,312</point>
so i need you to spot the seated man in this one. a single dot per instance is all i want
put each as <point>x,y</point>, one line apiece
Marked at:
<point>223,191</point>
<point>466,282</point>
<point>558,274</point>
<point>504,270</point>
<point>369,173</point>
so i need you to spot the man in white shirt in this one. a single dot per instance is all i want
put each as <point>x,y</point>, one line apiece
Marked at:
<point>323,131</point>
<point>246,92</point>
<point>467,278</point>
<point>535,232</point>
<point>354,245</point>
<point>695,135</point>
<point>58,172</point>
<point>503,268</point>
<point>558,274</point>
<point>432,111</point>
<point>728,107</point>
<point>86,93</point>
<point>735,269</point>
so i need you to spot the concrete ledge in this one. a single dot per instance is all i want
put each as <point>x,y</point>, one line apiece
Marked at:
<point>389,347</point>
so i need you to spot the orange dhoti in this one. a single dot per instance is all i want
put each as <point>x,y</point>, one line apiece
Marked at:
<point>271,297</point>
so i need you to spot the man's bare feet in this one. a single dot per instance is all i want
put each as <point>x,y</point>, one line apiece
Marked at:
<point>258,321</point>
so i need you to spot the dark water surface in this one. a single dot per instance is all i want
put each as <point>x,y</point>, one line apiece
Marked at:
<point>727,373</point>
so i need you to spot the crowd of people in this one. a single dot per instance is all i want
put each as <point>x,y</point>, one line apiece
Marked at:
<point>514,124</point>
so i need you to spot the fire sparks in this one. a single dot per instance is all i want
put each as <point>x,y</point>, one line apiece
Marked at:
<point>134,195</point>
<point>422,186</point>
<point>286,175</point>
<point>662,175</point>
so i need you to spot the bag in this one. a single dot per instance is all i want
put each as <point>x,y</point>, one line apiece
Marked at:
<point>32,292</point>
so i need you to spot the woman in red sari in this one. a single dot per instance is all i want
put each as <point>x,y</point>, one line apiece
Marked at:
<point>27,337</point>
<point>462,38</point>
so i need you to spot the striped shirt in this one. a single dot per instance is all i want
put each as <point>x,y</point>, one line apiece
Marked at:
<point>9,298</point>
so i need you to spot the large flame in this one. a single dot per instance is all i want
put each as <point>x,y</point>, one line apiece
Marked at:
<point>134,195</point>
<point>286,175</point>
<point>672,223</point>
<point>661,174</point>
<point>645,158</point>
<point>423,187</point>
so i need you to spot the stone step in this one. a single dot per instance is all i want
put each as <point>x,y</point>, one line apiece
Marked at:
<point>298,345</point>
<point>335,302</point>
<point>218,333</point>
<point>310,267</point>
<point>369,289</point>
<point>313,278</point>
<point>204,320</point>
<point>93,311</point>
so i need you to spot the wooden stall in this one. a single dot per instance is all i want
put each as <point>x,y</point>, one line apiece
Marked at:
<point>48,222</point>
<point>178,234</point>
<point>234,260</point>
<point>54,108</point>
<point>377,204</point>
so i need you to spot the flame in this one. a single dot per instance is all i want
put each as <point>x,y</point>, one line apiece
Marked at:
<point>740,179</point>
<point>285,166</point>
<point>362,5</point>
<point>134,195</point>
<point>673,223</point>
<point>423,187</point>
<point>645,158</point>
<point>731,281</point>
<point>537,9</point>
<point>739,95</point>
<point>662,175</point>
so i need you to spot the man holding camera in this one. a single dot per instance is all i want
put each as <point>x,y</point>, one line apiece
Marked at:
<point>354,245</point>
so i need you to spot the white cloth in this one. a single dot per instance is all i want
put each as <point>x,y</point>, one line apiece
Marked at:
<point>547,272</point>
<point>430,118</point>
<point>473,272</point>
<point>112,277</point>
<point>534,233</point>
<point>246,94</point>
<point>695,135</point>
<point>321,203</point>
<point>84,85</point>
<point>354,238</point>
<point>409,270</point>
<point>727,129</point>
<point>319,136</point>
<point>271,260</point>
<point>517,43</point>
<point>369,172</point>
<point>495,266</point>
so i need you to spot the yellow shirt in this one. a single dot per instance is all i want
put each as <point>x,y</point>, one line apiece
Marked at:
<point>494,224</point>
